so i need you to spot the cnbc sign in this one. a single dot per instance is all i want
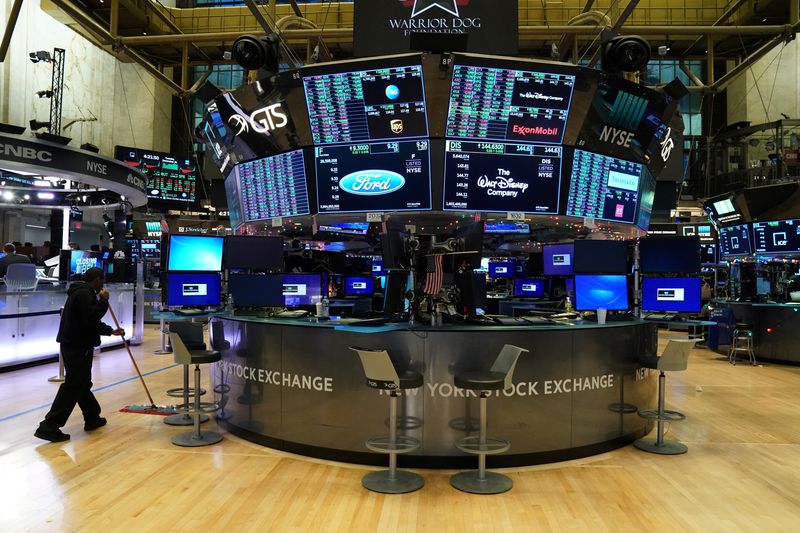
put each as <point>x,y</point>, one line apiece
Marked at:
<point>386,26</point>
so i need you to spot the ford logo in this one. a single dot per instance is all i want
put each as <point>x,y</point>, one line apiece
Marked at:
<point>372,182</point>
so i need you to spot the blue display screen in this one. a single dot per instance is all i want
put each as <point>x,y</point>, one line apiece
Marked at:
<point>532,288</point>
<point>558,259</point>
<point>377,266</point>
<point>198,289</point>
<point>80,261</point>
<point>603,187</point>
<point>679,295</point>
<point>507,227</point>
<point>195,254</point>
<point>358,286</point>
<point>301,289</point>
<point>504,269</point>
<point>734,240</point>
<point>777,236</point>
<point>608,292</point>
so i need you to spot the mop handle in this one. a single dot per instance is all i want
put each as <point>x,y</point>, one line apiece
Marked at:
<point>116,322</point>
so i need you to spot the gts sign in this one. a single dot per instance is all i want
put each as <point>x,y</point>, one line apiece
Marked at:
<point>616,136</point>
<point>261,120</point>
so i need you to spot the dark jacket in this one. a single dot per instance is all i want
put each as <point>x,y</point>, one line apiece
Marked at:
<point>11,259</point>
<point>80,322</point>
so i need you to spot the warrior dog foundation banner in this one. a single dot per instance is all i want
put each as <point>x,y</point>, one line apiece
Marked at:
<point>385,26</point>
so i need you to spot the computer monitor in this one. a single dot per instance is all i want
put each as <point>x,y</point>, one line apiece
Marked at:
<point>558,259</point>
<point>301,289</point>
<point>609,292</point>
<point>600,257</point>
<point>377,266</point>
<point>677,255</point>
<point>708,253</point>
<point>194,253</point>
<point>529,288</point>
<point>74,264</point>
<point>394,294</point>
<point>359,286</point>
<point>472,286</point>
<point>393,249</point>
<point>254,253</point>
<point>471,236</point>
<point>256,290</point>
<point>194,289</point>
<point>501,269</point>
<point>677,295</point>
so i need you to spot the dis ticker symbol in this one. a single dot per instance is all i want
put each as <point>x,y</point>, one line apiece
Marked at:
<point>392,92</point>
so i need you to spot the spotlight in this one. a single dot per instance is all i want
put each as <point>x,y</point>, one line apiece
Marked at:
<point>89,147</point>
<point>41,55</point>
<point>624,53</point>
<point>8,195</point>
<point>36,125</point>
<point>44,94</point>
<point>10,128</point>
<point>252,53</point>
<point>58,139</point>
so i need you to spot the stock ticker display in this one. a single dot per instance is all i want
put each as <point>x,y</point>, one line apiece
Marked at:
<point>508,104</point>
<point>368,105</point>
<point>273,187</point>
<point>777,236</point>
<point>603,187</point>
<point>523,178</point>
<point>169,178</point>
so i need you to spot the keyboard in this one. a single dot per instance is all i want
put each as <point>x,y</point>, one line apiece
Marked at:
<point>566,314</point>
<point>661,316</point>
<point>501,320</point>
<point>189,312</point>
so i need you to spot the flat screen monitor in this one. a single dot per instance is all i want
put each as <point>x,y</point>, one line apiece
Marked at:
<point>647,197</point>
<point>195,253</point>
<point>394,293</point>
<point>671,295</point>
<point>392,176</point>
<point>501,269</point>
<point>374,104</point>
<point>708,254</point>
<point>271,187</point>
<point>508,104</point>
<point>193,289</point>
<point>728,209</point>
<point>507,227</point>
<point>601,292</point>
<point>74,264</point>
<point>377,266</point>
<point>345,228</point>
<point>704,232</point>
<point>529,288</point>
<point>523,178</point>
<point>169,178</point>
<point>603,187</point>
<point>472,286</point>
<point>256,290</point>
<point>359,286</point>
<point>734,241</point>
<point>558,259</point>
<point>254,253</point>
<point>777,236</point>
<point>600,257</point>
<point>677,255</point>
<point>301,289</point>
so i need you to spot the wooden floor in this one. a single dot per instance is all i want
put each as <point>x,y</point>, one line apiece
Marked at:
<point>742,472</point>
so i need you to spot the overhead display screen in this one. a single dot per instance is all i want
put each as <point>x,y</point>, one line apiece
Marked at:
<point>367,105</point>
<point>273,187</point>
<point>777,237</point>
<point>507,104</point>
<point>734,240</point>
<point>391,176</point>
<point>521,178</point>
<point>705,232</point>
<point>603,187</point>
<point>169,178</point>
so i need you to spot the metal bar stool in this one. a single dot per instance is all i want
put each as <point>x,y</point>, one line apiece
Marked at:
<point>498,377</point>
<point>195,357</point>
<point>742,341</point>
<point>381,373</point>
<point>674,359</point>
<point>192,335</point>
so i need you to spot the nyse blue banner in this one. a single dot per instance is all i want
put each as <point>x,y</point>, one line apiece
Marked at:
<point>385,26</point>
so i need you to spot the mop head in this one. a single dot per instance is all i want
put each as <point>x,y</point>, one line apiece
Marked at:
<point>162,410</point>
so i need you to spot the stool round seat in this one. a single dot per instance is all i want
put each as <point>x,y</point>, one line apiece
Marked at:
<point>480,380</point>
<point>201,357</point>
<point>743,325</point>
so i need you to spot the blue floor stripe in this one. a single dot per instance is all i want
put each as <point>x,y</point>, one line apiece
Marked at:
<point>97,389</point>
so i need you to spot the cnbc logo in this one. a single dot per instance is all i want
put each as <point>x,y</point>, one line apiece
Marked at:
<point>435,16</point>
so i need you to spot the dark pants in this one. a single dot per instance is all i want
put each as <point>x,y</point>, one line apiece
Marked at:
<point>76,389</point>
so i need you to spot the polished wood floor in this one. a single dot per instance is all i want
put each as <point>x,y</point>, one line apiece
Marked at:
<point>742,472</point>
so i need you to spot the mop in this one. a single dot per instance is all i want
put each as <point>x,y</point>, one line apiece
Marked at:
<point>151,409</point>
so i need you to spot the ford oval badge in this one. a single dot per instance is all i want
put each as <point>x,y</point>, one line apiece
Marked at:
<point>372,182</point>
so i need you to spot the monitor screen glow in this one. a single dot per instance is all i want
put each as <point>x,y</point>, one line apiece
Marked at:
<point>195,254</point>
<point>608,292</point>
<point>558,259</point>
<point>359,286</point>
<point>301,289</point>
<point>501,269</point>
<point>678,295</point>
<point>530,288</point>
<point>198,289</point>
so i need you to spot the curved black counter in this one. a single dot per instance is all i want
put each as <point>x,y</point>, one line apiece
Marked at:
<point>294,385</point>
<point>776,328</point>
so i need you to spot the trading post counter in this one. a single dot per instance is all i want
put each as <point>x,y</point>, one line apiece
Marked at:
<point>775,327</point>
<point>294,385</point>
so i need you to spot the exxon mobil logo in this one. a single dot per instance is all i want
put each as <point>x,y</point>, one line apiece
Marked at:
<point>372,182</point>
<point>421,6</point>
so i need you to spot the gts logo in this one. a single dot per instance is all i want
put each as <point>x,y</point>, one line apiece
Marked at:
<point>261,120</point>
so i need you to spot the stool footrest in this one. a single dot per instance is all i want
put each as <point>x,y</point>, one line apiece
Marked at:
<point>474,446</point>
<point>669,416</point>
<point>402,444</point>
<point>205,407</point>
<point>178,392</point>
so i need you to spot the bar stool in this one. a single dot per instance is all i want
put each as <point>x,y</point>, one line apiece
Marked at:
<point>742,341</point>
<point>191,334</point>
<point>674,359</point>
<point>196,357</point>
<point>497,377</point>
<point>382,373</point>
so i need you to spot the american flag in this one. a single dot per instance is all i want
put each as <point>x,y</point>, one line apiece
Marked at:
<point>434,275</point>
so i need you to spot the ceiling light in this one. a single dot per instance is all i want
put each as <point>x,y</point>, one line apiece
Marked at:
<point>41,183</point>
<point>27,196</point>
<point>8,195</point>
<point>45,195</point>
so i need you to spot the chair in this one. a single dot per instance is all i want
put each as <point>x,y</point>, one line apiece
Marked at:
<point>195,357</point>
<point>674,359</point>
<point>21,277</point>
<point>382,373</point>
<point>742,341</point>
<point>191,333</point>
<point>498,377</point>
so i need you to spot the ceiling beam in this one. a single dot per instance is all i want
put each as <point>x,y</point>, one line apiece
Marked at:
<point>13,15</point>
